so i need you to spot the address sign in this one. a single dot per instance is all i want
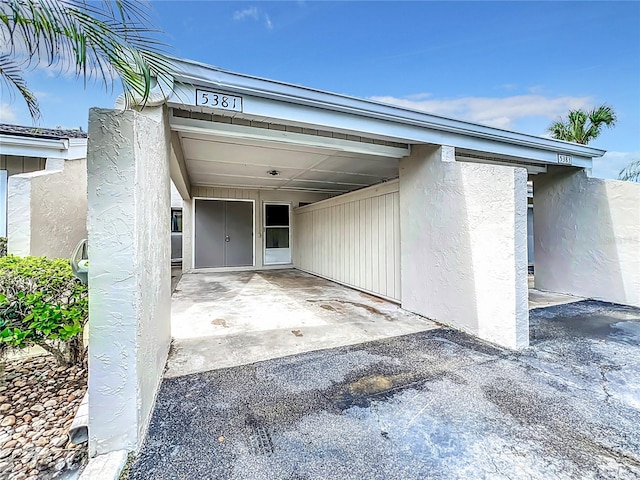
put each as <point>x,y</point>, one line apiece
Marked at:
<point>222,101</point>
<point>565,159</point>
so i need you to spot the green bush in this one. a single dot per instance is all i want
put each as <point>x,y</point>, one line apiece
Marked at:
<point>3,246</point>
<point>42,303</point>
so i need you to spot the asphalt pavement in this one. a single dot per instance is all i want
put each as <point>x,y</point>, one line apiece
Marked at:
<point>437,404</point>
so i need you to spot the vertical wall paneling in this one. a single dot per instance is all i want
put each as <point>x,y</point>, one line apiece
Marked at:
<point>353,239</point>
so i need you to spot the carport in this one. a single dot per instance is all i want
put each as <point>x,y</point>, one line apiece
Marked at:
<point>424,211</point>
<point>226,319</point>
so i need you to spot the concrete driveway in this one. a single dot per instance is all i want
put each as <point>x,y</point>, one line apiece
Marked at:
<point>226,319</point>
<point>434,404</point>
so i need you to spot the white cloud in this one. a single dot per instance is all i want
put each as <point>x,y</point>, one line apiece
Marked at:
<point>610,164</point>
<point>495,112</point>
<point>8,114</point>
<point>418,96</point>
<point>253,13</point>
<point>247,12</point>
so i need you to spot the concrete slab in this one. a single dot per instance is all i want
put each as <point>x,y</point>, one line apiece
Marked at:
<point>436,404</point>
<point>105,467</point>
<point>220,320</point>
<point>176,273</point>
<point>541,299</point>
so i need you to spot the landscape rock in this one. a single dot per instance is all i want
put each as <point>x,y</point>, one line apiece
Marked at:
<point>38,400</point>
<point>58,441</point>
<point>8,421</point>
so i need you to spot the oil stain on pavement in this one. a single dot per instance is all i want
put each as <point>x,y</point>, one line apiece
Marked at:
<point>438,404</point>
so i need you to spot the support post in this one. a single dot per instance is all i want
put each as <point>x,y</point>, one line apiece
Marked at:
<point>464,244</point>
<point>129,272</point>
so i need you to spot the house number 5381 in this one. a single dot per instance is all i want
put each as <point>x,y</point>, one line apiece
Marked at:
<point>219,100</point>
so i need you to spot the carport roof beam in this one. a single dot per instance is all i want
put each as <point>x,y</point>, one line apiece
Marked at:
<point>203,127</point>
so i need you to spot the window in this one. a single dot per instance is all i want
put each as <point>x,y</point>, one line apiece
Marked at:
<point>277,249</point>
<point>276,215</point>
<point>277,238</point>
<point>176,220</point>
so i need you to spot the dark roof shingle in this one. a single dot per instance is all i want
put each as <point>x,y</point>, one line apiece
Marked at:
<point>40,132</point>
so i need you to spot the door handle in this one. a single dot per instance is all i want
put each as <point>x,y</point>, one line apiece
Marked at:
<point>226,238</point>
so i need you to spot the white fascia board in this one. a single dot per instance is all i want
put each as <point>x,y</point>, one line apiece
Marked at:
<point>190,125</point>
<point>282,112</point>
<point>32,147</point>
<point>65,148</point>
<point>193,73</point>
<point>77,149</point>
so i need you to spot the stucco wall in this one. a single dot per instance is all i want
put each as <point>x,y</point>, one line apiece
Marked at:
<point>587,236</point>
<point>259,197</point>
<point>19,216</point>
<point>47,209</point>
<point>464,244</point>
<point>129,272</point>
<point>353,239</point>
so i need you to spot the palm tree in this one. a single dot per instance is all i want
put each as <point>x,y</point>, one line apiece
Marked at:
<point>631,172</point>
<point>97,40</point>
<point>582,127</point>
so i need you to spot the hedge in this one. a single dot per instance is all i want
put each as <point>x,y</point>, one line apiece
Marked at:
<point>42,303</point>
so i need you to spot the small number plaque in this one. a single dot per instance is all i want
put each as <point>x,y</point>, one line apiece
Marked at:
<point>565,159</point>
<point>223,101</point>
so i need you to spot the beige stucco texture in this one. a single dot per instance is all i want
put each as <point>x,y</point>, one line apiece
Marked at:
<point>129,272</point>
<point>47,209</point>
<point>463,244</point>
<point>587,236</point>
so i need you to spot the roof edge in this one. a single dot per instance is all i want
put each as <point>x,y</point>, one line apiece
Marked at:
<point>283,91</point>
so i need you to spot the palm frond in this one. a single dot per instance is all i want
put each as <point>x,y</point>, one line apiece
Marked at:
<point>582,127</point>
<point>11,76</point>
<point>99,41</point>
<point>631,172</point>
<point>603,115</point>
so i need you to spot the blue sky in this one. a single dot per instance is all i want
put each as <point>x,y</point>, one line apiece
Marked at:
<point>514,65</point>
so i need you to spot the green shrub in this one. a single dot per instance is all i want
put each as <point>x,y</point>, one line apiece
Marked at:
<point>42,303</point>
<point>3,246</point>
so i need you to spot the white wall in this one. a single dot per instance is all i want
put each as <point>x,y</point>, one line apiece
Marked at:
<point>464,244</point>
<point>587,236</point>
<point>129,272</point>
<point>19,217</point>
<point>176,199</point>
<point>259,197</point>
<point>353,239</point>
<point>47,209</point>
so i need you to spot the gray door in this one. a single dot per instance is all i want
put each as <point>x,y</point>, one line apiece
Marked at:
<point>239,238</point>
<point>223,233</point>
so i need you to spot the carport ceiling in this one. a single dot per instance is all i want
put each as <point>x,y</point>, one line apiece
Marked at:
<point>220,156</point>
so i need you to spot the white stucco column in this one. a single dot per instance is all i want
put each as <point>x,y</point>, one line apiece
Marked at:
<point>129,272</point>
<point>464,244</point>
<point>187,235</point>
<point>587,236</point>
<point>47,209</point>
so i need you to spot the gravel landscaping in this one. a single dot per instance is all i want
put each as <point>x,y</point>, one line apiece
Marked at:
<point>38,400</point>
